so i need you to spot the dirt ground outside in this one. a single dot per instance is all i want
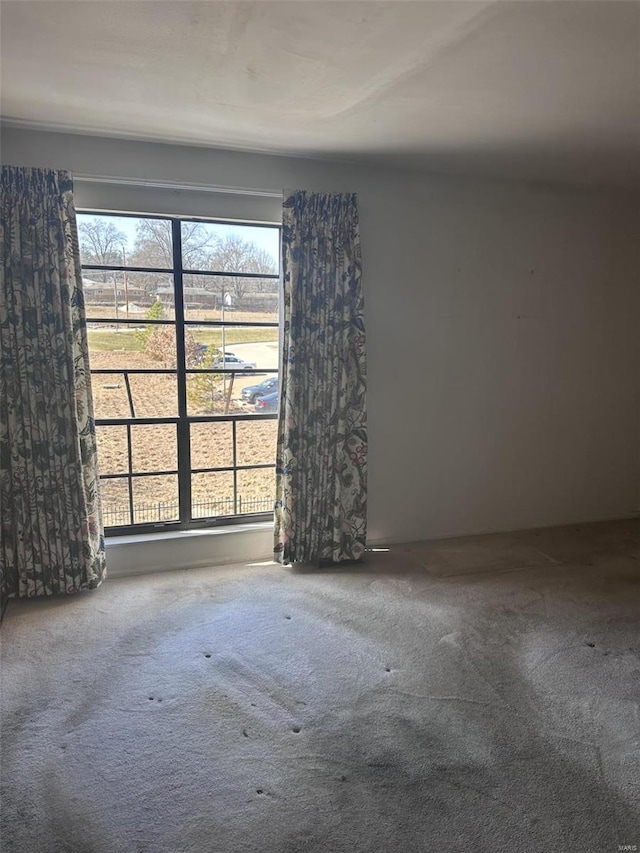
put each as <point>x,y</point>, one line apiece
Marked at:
<point>154,447</point>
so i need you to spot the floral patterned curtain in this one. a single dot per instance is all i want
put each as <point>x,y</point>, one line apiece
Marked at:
<point>321,459</point>
<point>52,536</point>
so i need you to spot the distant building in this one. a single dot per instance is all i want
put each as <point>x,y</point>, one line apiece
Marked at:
<point>193,296</point>
<point>104,292</point>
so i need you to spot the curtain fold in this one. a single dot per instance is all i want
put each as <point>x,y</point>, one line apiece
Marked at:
<point>321,458</point>
<point>51,525</point>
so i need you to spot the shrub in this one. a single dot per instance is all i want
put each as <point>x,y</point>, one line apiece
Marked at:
<point>205,389</point>
<point>160,346</point>
<point>156,312</point>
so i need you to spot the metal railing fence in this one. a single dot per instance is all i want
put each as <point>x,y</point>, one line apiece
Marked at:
<point>159,511</point>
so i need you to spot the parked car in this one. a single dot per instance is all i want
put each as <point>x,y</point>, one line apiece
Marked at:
<point>269,403</point>
<point>232,362</point>
<point>251,393</point>
<point>202,350</point>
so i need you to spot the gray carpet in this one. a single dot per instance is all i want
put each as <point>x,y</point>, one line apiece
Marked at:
<point>470,695</point>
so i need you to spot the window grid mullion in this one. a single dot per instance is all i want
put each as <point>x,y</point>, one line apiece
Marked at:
<point>167,271</point>
<point>230,274</point>
<point>124,322</point>
<point>192,419</point>
<point>234,433</point>
<point>182,427</point>
<point>129,478</point>
<point>217,469</point>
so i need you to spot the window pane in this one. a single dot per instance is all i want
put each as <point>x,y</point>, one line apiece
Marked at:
<point>114,496</point>
<point>227,247</point>
<point>153,395</point>
<point>216,394</point>
<point>212,494</point>
<point>112,449</point>
<point>142,348</point>
<point>256,442</point>
<point>109,396</point>
<point>211,445</point>
<point>125,240</point>
<point>127,296</point>
<point>202,297</point>
<point>155,499</point>
<point>154,448</point>
<point>256,490</point>
<point>247,348</point>
<point>231,299</point>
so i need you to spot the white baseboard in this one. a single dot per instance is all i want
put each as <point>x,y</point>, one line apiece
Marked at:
<point>380,541</point>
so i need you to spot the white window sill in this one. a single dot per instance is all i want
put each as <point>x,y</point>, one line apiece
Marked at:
<point>143,553</point>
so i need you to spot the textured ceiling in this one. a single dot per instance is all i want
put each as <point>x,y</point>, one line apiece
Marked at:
<point>546,90</point>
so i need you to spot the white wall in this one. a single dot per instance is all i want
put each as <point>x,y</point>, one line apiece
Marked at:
<point>503,332</point>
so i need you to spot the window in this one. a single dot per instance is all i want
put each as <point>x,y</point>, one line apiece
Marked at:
<point>183,337</point>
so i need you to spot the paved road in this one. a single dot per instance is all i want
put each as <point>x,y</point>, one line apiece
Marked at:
<point>263,354</point>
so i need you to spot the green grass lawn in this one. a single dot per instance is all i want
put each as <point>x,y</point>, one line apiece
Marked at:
<point>235,336</point>
<point>128,340</point>
<point>112,340</point>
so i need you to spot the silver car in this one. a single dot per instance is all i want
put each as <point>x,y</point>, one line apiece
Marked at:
<point>232,362</point>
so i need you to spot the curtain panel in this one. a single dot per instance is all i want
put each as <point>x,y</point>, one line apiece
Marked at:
<point>321,458</point>
<point>52,535</point>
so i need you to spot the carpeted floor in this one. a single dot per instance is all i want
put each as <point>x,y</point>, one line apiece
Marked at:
<point>475,694</point>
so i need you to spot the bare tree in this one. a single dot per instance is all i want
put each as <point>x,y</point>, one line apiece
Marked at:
<point>234,254</point>
<point>100,243</point>
<point>197,241</point>
<point>264,263</point>
<point>154,244</point>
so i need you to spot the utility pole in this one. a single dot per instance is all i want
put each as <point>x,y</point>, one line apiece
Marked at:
<point>115,298</point>
<point>126,282</point>
<point>224,357</point>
